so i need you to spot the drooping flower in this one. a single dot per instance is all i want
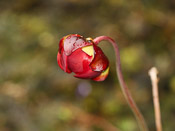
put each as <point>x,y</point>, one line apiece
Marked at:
<point>86,60</point>
<point>83,57</point>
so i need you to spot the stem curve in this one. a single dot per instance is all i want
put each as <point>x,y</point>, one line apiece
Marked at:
<point>125,90</point>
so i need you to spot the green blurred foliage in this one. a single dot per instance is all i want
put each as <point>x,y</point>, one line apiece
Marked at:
<point>36,95</point>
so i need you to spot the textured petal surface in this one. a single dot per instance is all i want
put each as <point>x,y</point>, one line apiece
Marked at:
<point>61,44</point>
<point>100,61</point>
<point>73,42</point>
<point>102,76</point>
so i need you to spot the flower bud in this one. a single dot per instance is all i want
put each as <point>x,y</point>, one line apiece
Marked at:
<point>84,58</point>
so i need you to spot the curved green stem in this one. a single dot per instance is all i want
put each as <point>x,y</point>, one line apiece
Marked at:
<point>124,87</point>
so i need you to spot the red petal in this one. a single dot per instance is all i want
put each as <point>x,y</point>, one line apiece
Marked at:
<point>61,43</point>
<point>102,76</point>
<point>79,61</point>
<point>88,74</point>
<point>73,42</point>
<point>62,62</point>
<point>59,60</point>
<point>100,61</point>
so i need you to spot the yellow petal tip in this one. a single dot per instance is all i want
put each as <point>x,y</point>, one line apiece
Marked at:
<point>102,76</point>
<point>89,50</point>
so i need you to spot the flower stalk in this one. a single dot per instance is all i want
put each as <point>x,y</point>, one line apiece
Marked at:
<point>125,90</point>
<point>153,75</point>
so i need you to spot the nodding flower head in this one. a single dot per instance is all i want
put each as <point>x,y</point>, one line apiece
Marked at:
<point>83,57</point>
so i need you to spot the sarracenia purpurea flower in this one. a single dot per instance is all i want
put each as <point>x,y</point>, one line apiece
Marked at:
<point>84,58</point>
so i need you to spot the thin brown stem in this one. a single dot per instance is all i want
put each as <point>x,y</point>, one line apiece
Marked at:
<point>153,75</point>
<point>124,87</point>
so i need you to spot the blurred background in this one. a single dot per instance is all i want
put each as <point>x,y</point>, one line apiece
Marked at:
<point>36,95</point>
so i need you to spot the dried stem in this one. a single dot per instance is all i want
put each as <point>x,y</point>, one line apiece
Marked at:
<point>153,75</point>
<point>124,87</point>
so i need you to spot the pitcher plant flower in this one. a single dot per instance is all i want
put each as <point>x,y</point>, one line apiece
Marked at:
<point>84,58</point>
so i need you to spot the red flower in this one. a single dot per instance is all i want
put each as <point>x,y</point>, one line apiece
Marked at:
<point>82,57</point>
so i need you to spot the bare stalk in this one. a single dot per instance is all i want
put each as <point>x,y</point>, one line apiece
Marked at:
<point>126,92</point>
<point>153,75</point>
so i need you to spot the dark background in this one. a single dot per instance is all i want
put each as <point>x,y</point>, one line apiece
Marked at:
<point>36,95</point>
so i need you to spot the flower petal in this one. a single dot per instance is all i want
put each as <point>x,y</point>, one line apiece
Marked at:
<point>100,61</point>
<point>62,62</point>
<point>79,61</point>
<point>102,76</point>
<point>89,50</point>
<point>73,42</point>
<point>59,60</point>
<point>88,75</point>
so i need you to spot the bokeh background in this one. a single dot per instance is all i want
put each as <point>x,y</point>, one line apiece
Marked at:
<point>36,95</point>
